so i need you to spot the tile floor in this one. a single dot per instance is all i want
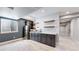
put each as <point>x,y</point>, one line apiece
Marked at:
<point>65,44</point>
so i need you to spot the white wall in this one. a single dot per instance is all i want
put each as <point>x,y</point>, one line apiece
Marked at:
<point>75,29</point>
<point>40,25</point>
<point>49,17</point>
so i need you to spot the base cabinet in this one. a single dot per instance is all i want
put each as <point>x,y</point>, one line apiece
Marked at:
<point>47,39</point>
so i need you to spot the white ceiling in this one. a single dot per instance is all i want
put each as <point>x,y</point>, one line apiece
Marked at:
<point>24,11</point>
<point>39,12</point>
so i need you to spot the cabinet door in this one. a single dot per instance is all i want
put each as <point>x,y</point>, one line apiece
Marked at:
<point>39,37</point>
<point>53,40</point>
<point>32,36</point>
<point>44,38</point>
<point>35,36</point>
<point>49,40</point>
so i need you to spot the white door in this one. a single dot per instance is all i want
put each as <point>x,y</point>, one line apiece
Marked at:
<point>75,29</point>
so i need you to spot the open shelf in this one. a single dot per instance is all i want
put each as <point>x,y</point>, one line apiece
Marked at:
<point>49,21</point>
<point>49,26</point>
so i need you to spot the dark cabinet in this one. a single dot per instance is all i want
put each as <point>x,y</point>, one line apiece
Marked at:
<point>43,38</point>
<point>54,41</point>
<point>51,40</point>
<point>38,38</point>
<point>32,36</point>
<point>47,39</point>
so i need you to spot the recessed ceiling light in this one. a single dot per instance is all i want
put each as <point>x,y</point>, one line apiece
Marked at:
<point>67,12</point>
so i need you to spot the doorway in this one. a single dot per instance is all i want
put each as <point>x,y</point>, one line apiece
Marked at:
<point>65,29</point>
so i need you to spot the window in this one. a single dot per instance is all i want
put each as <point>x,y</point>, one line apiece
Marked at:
<point>14,26</point>
<point>8,26</point>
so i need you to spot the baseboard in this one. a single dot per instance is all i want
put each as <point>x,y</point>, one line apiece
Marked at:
<point>10,41</point>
